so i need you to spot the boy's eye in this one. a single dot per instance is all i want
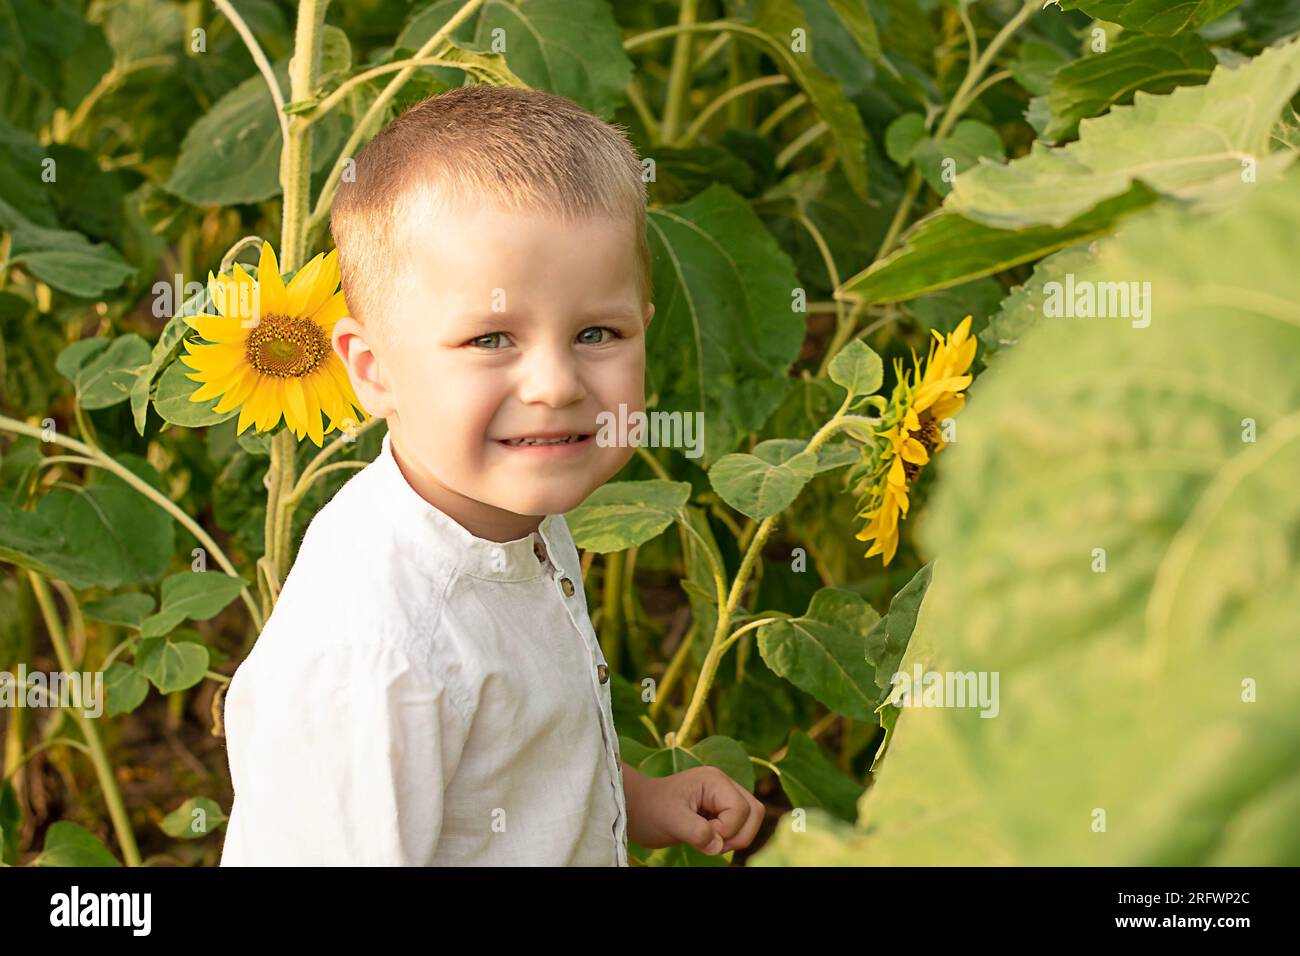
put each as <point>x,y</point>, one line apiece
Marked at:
<point>490,335</point>
<point>598,328</point>
<point>480,341</point>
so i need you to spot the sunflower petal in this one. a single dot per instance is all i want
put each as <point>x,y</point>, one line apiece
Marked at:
<point>274,299</point>
<point>333,309</point>
<point>314,428</point>
<point>313,285</point>
<point>237,394</point>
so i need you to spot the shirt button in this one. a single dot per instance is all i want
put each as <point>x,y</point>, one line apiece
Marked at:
<point>566,586</point>
<point>602,671</point>
<point>539,550</point>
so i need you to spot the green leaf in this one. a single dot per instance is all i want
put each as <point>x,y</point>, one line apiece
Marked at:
<point>757,487</point>
<point>941,160</point>
<point>810,780</point>
<point>943,250</point>
<point>779,19</point>
<point>103,534</point>
<point>1035,64</point>
<point>124,610</point>
<point>1190,144</point>
<point>173,400</point>
<point>1153,16</point>
<point>1023,308</point>
<point>66,260</point>
<point>77,354</point>
<point>168,340</point>
<point>193,819</point>
<point>193,595</point>
<point>30,541</point>
<point>626,514</point>
<point>67,844</point>
<point>722,752</point>
<point>126,688</point>
<point>823,652</point>
<point>231,155</point>
<point>105,379</point>
<point>1172,672</point>
<point>725,333</point>
<point>174,662</point>
<point>887,641</point>
<point>1092,85</point>
<point>570,47</point>
<point>857,368</point>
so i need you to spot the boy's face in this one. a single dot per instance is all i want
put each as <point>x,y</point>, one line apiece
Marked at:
<point>507,325</point>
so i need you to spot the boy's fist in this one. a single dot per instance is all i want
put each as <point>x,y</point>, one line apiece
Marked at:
<point>701,806</point>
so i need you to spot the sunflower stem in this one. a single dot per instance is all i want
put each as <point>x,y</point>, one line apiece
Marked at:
<point>95,747</point>
<point>295,181</point>
<point>727,609</point>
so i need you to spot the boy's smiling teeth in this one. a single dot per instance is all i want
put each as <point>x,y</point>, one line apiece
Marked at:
<point>542,441</point>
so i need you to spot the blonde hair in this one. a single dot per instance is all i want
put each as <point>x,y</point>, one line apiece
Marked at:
<point>517,150</point>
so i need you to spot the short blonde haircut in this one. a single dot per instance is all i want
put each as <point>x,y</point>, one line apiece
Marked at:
<point>515,150</point>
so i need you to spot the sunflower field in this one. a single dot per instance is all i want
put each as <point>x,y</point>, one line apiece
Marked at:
<point>992,310</point>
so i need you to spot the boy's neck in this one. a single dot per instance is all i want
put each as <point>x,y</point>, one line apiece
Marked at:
<point>478,518</point>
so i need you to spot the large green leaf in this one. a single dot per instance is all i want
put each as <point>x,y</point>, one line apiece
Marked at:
<point>1192,144</point>
<point>625,514</point>
<point>810,780</point>
<point>231,154</point>
<point>1139,605</point>
<point>110,535</point>
<point>724,333</point>
<point>1153,16</point>
<point>944,250</point>
<point>106,378</point>
<point>65,259</point>
<point>824,652</point>
<point>1023,308</point>
<point>570,47</point>
<point>1092,85</point>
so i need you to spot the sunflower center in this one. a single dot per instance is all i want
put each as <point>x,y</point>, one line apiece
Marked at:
<point>287,347</point>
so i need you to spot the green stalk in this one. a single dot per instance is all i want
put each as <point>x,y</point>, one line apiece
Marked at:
<point>611,624</point>
<point>295,182</point>
<point>726,611</point>
<point>679,74</point>
<point>98,757</point>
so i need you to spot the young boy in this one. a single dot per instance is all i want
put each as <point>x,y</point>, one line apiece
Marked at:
<point>429,689</point>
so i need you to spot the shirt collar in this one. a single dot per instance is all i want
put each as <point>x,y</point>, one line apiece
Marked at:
<point>431,537</point>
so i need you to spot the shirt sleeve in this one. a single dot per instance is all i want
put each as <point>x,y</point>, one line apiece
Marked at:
<point>341,760</point>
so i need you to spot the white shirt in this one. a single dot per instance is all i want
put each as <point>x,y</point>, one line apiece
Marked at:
<point>424,697</point>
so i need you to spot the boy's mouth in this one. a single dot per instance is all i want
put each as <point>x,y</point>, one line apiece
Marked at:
<point>557,438</point>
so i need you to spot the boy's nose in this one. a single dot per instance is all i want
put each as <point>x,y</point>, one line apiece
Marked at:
<point>552,379</point>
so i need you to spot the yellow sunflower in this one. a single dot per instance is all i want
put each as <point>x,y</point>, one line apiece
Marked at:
<point>270,348</point>
<point>911,434</point>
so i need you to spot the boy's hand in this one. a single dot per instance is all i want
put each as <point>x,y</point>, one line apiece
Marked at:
<point>701,806</point>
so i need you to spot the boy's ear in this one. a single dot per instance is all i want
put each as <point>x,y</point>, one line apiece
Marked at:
<point>351,343</point>
<point>648,316</point>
